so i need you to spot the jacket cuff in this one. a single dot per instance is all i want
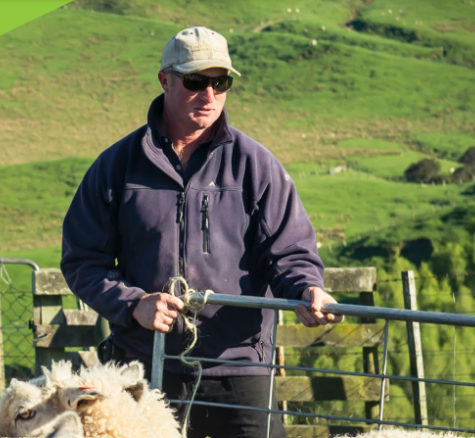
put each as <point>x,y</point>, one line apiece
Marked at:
<point>131,321</point>
<point>299,294</point>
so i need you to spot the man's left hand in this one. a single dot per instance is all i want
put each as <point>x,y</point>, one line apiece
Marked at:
<point>311,315</point>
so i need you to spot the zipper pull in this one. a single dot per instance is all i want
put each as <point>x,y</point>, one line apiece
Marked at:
<point>181,202</point>
<point>205,223</point>
<point>263,350</point>
<point>204,209</point>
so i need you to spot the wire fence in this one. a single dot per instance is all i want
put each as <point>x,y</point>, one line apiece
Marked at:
<point>429,277</point>
<point>442,391</point>
<point>448,353</point>
<point>450,292</point>
<point>17,354</point>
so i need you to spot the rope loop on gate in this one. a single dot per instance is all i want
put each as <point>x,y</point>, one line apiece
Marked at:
<point>194,306</point>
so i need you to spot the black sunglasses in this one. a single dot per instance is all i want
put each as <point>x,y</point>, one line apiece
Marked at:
<point>197,82</point>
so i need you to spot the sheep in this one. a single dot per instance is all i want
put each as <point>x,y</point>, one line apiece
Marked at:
<point>110,400</point>
<point>27,409</point>
<point>404,433</point>
<point>67,425</point>
<point>113,401</point>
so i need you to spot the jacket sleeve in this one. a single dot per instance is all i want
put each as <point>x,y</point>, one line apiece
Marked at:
<point>286,249</point>
<point>91,244</point>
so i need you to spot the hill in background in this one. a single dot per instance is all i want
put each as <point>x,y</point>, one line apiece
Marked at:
<point>360,86</point>
<point>347,94</point>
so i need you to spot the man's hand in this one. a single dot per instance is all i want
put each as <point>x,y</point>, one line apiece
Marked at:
<point>311,315</point>
<point>158,311</point>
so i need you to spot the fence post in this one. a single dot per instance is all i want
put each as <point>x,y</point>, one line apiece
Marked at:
<point>370,357</point>
<point>415,349</point>
<point>2,362</point>
<point>47,310</point>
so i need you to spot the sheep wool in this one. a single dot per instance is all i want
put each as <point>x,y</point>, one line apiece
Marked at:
<point>404,433</point>
<point>110,401</point>
<point>114,401</point>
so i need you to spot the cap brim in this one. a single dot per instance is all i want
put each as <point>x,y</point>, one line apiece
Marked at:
<point>196,66</point>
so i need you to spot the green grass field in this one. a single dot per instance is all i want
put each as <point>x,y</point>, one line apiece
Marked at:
<point>366,87</point>
<point>73,84</point>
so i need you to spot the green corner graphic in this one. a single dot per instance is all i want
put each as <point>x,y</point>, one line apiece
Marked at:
<point>14,13</point>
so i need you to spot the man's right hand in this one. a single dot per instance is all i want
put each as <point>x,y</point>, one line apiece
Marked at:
<point>158,311</point>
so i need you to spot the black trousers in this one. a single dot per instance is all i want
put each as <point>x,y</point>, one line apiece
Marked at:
<point>209,421</point>
<point>217,422</point>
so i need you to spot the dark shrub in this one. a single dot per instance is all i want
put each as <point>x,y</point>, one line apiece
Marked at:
<point>112,6</point>
<point>468,158</point>
<point>464,174</point>
<point>424,171</point>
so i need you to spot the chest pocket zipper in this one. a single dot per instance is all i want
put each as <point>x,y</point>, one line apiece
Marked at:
<point>260,349</point>
<point>263,351</point>
<point>205,223</point>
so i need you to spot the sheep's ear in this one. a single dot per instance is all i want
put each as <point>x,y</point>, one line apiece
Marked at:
<point>39,381</point>
<point>76,399</point>
<point>137,390</point>
<point>47,374</point>
<point>16,385</point>
<point>134,371</point>
<point>134,376</point>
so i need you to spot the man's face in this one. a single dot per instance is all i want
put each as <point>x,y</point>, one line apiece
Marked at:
<point>192,110</point>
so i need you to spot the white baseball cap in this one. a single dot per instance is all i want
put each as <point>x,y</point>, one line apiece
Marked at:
<point>196,49</point>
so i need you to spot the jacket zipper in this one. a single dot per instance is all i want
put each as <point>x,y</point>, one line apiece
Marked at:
<point>181,202</point>
<point>205,223</point>
<point>179,219</point>
<point>181,222</point>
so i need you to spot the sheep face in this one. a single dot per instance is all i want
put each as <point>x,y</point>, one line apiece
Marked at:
<point>26,410</point>
<point>110,401</point>
<point>67,425</point>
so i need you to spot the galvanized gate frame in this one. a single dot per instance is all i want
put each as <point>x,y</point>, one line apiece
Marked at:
<point>388,314</point>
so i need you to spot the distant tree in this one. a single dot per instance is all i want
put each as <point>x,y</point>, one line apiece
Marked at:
<point>424,171</point>
<point>112,6</point>
<point>468,158</point>
<point>464,174</point>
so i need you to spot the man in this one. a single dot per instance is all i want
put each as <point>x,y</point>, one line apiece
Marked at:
<point>188,194</point>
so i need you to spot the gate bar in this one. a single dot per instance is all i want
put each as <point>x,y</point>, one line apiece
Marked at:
<point>11,261</point>
<point>325,416</point>
<point>453,319</point>
<point>324,371</point>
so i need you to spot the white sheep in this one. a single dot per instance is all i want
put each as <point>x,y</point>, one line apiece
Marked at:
<point>67,425</point>
<point>113,401</point>
<point>110,400</point>
<point>404,433</point>
<point>27,410</point>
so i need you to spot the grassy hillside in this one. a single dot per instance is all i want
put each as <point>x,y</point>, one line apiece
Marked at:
<point>346,93</point>
<point>34,199</point>
<point>317,88</point>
